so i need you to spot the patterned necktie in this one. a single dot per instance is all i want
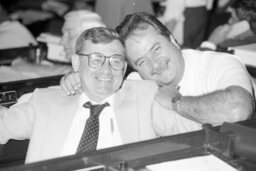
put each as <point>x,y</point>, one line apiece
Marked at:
<point>89,139</point>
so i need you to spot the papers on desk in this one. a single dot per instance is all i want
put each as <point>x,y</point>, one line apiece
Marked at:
<point>30,16</point>
<point>238,28</point>
<point>246,53</point>
<point>55,49</point>
<point>21,69</point>
<point>48,38</point>
<point>202,163</point>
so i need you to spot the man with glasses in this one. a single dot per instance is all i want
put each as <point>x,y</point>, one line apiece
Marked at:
<point>57,124</point>
<point>97,60</point>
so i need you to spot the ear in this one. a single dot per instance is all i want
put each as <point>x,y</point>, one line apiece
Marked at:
<point>75,62</point>
<point>174,41</point>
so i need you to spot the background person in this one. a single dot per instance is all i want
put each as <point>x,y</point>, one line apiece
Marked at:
<point>13,34</point>
<point>187,20</point>
<point>240,29</point>
<point>75,23</point>
<point>114,11</point>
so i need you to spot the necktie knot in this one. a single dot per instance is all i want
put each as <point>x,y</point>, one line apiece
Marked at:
<point>95,110</point>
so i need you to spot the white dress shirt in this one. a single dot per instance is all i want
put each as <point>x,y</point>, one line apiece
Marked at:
<point>109,134</point>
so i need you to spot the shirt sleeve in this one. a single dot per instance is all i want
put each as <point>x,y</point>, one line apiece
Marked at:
<point>226,70</point>
<point>134,76</point>
<point>17,121</point>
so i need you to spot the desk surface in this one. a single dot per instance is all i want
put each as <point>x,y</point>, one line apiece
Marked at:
<point>136,155</point>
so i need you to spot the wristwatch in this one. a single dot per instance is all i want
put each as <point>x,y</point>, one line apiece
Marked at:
<point>175,101</point>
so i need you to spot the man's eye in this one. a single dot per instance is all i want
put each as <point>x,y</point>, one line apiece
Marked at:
<point>140,63</point>
<point>96,60</point>
<point>117,61</point>
<point>157,49</point>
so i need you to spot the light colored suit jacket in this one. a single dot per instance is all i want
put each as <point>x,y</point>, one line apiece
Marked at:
<point>47,115</point>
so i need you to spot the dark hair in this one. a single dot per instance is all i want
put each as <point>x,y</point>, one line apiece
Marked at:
<point>248,5</point>
<point>97,35</point>
<point>246,10</point>
<point>3,14</point>
<point>141,21</point>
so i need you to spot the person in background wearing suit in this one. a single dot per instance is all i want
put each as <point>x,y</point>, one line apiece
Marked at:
<point>187,20</point>
<point>121,8</point>
<point>198,87</point>
<point>54,122</point>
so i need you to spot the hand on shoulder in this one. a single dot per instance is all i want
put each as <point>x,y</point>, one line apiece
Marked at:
<point>70,83</point>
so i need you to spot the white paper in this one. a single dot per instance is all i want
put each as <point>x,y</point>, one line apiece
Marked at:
<point>238,28</point>
<point>202,163</point>
<point>246,53</point>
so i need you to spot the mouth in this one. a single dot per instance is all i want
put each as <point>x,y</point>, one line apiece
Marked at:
<point>103,79</point>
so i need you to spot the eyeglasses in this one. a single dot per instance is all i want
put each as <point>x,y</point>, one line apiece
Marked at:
<point>96,60</point>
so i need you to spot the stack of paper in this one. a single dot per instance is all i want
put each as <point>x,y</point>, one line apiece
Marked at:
<point>202,163</point>
<point>246,53</point>
<point>55,49</point>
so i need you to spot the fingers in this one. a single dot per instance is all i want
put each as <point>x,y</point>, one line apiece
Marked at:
<point>169,91</point>
<point>70,83</point>
<point>76,81</point>
<point>64,86</point>
<point>166,95</point>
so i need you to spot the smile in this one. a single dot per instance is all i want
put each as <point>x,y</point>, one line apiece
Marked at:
<point>104,79</point>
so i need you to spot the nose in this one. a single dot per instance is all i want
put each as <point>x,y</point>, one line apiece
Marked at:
<point>106,67</point>
<point>157,66</point>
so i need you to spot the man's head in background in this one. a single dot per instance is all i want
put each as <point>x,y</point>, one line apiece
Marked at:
<point>75,23</point>
<point>244,10</point>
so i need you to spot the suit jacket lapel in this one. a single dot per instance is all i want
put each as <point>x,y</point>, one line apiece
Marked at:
<point>127,115</point>
<point>59,130</point>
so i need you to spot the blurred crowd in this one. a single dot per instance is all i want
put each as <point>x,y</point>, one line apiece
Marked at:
<point>191,22</point>
<point>204,24</point>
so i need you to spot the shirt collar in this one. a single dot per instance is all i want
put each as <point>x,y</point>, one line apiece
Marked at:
<point>84,98</point>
